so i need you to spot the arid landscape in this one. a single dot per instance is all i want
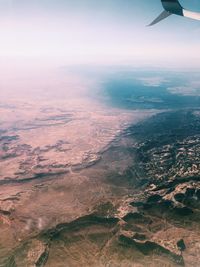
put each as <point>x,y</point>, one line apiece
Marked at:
<point>87,183</point>
<point>46,146</point>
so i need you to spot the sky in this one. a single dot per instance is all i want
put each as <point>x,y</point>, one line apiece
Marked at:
<point>65,32</point>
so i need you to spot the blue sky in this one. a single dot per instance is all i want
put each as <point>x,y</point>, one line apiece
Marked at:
<point>61,32</point>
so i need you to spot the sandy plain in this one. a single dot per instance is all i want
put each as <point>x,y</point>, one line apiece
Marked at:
<point>48,140</point>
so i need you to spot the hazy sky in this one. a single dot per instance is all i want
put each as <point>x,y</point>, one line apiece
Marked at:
<point>61,32</point>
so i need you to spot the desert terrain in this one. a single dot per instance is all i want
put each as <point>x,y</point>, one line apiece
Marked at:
<point>87,183</point>
<point>46,143</point>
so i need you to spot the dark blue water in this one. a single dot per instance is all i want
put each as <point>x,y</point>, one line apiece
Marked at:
<point>126,90</point>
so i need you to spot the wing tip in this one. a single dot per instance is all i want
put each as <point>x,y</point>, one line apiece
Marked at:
<point>162,16</point>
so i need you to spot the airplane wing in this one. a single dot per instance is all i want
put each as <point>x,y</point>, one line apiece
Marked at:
<point>191,14</point>
<point>174,7</point>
